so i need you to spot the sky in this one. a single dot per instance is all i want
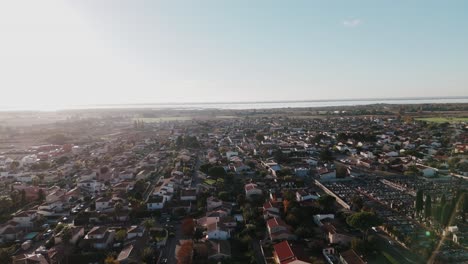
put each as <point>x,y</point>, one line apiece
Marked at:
<point>59,54</point>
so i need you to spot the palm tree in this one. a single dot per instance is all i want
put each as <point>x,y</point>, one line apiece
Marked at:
<point>149,223</point>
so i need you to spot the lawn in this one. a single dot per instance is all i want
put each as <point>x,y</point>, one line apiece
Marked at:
<point>443,119</point>
<point>210,181</point>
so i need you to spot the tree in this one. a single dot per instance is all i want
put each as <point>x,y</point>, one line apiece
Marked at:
<point>428,206</point>
<point>286,204</point>
<point>58,228</point>
<point>118,207</point>
<point>446,213</point>
<point>443,200</point>
<point>147,255</point>
<point>217,171</point>
<point>326,201</point>
<point>198,235</point>
<point>419,201</point>
<point>224,196</point>
<point>259,137</point>
<point>326,155</point>
<point>5,256</point>
<point>66,235</point>
<point>188,227</point>
<point>121,235</point>
<point>110,260</point>
<point>149,223</point>
<point>462,205</point>
<point>357,202</point>
<point>363,221</point>
<point>14,165</point>
<point>41,195</point>
<point>184,255</point>
<point>5,204</point>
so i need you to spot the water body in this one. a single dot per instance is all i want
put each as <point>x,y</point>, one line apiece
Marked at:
<point>260,104</point>
<point>288,104</point>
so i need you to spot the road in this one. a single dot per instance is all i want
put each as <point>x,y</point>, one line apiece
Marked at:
<point>168,252</point>
<point>395,249</point>
<point>258,252</point>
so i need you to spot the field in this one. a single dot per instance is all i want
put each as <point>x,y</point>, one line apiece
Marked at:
<point>444,119</point>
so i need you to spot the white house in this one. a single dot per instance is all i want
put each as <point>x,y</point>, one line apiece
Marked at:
<point>217,232</point>
<point>303,195</point>
<point>155,202</point>
<point>212,203</point>
<point>77,232</point>
<point>301,172</point>
<point>135,231</point>
<point>100,237</point>
<point>251,189</point>
<point>90,185</point>
<point>25,218</point>
<point>188,195</point>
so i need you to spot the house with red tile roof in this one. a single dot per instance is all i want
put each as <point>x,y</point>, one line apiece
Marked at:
<point>284,253</point>
<point>279,230</point>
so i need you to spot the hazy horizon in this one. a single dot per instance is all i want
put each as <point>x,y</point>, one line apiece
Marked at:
<point>57,54</point>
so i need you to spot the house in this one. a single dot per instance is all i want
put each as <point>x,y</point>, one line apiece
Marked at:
<point>10,231</point>
<point>135,231</point>
<point>29,259</point>
<point>75,231</point>
<point>123,186</point>
<point>270,210</point>
<point>218,249</point>
<point>284,253</point>
<point>212,203</point>
<point>188,194</point>
<point>128,255</point>
<point>279,230</point>
<point>334,237</point>
<point>91,186</point>
<point>100,237</point>
<point>301,172</point>
<point>155,202</point>
<point>25,219</point>
<point>427,171</point>
<point>326,174</point>
<point>217,231</point>
<point>303,195</point>
<point>350,257</point>
<point>251,190</point>
<point>104,204</point>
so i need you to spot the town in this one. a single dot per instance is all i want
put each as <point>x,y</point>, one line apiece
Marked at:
<point>338,187</point>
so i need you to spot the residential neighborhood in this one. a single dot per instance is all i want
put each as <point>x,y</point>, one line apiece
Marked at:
<point>340,189</point>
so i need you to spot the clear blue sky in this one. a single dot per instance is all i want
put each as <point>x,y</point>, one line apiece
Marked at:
<point>59,53</point>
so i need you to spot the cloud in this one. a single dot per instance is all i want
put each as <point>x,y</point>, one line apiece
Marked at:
<point>351,23</point>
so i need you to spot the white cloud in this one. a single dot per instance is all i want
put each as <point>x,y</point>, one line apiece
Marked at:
<point>355,22</point>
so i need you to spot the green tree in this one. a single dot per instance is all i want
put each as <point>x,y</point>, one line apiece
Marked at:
<point>446,213</point>
<point>224,196</point>
<point>41,195</point>
<point>121,235</point>
<point>419,201</point>
<point>66,235</point>
<point>217,171</point>
<point>149,223</point>
<point>326,201</point>
<point>428,206</point>
<point>363,221</point>
<point>5,256</point>
<point>147,255</point>
<point>326,155</point>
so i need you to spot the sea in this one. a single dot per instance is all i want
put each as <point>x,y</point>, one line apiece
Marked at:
<point>258,104</point>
